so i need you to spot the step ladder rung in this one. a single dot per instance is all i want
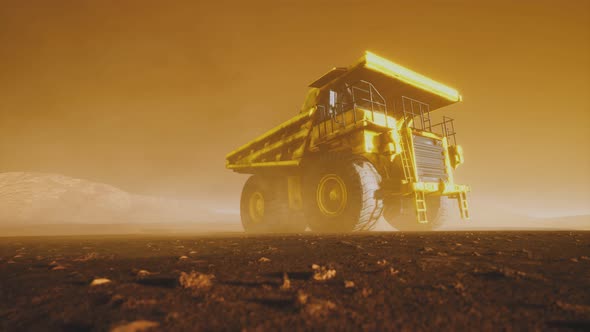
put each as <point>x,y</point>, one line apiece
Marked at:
<point>407,167</point>
<point>421,208</point>
<point>463,205</point>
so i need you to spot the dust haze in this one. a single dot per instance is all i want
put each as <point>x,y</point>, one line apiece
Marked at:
<point>116,117</point>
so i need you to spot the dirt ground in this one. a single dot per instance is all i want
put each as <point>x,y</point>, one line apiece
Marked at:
<point>372,281</point>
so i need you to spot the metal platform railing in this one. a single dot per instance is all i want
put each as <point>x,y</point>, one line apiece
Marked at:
<point>360,94</point>
<point>446,128</point>
<point>419,113</point>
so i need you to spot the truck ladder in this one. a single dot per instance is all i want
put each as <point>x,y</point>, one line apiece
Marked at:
<point>463,205</point>
<point>406,165</point>
<point>419,196</point>
<point>420,204</point>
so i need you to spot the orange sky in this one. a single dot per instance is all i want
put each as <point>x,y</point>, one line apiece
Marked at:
<point>150,95</point>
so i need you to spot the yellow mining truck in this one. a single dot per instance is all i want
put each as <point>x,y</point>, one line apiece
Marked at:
<point>362,146</point>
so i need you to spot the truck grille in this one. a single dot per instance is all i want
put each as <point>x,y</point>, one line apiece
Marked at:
<point>430,161</point>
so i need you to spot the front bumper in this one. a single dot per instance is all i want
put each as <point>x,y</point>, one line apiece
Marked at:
<point>442,188</point>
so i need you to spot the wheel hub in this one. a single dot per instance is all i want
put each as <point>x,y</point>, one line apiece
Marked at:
<point>331,195</point>
<point>256,207</point>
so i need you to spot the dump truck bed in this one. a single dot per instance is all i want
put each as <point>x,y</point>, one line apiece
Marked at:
<point>282,146</point>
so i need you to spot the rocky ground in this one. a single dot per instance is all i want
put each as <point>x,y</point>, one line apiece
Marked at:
<point>375,281</point>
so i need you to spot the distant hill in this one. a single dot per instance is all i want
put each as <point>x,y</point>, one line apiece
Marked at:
<point>38,198</point>
<point>570,222</point>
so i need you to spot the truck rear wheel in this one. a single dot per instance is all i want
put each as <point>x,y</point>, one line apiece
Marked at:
<point>401,213</point>
<point>340,196</point>
<point>264,207</point>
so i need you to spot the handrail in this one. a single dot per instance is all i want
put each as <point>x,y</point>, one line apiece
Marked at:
<point>447,129</point>
<point>375,102</point>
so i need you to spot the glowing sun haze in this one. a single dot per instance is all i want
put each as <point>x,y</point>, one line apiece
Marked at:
<point>149,96</point>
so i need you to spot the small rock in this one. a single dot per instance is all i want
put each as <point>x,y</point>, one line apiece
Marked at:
<point>475,253</point>
<point>382,262</point>
<point>263,260</point>
<point>319,308</point>
<point>136,326</point>
<point>286,282</point>
<point>58,268</point>
<point>586,258</point>
<point>393,271</point>
<point>581,309</point>
<point>322,273</point>
<point>182,258</point>
<point>440,287</point>
<point>99,281</point>
<point>117,300</point>
<point>441,253</point>
<point>366,292</point>
<point>427,249</point>
<point>348,284</point>
<point>302,297</point>
<point>143,273</point>
<point>459,286</point>
<point>196,281</point>
<point>575,260</point>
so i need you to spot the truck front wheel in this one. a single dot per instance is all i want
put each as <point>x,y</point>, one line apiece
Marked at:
<point>340,195</point>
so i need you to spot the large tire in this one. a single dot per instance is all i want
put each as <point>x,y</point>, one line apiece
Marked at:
<point>264,207</point>
<point>340,195</point>
<point>401,213</point>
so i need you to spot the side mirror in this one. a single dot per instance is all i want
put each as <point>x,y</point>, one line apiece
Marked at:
<point>456,155</point>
